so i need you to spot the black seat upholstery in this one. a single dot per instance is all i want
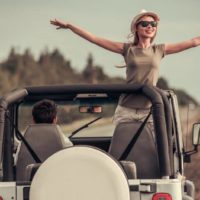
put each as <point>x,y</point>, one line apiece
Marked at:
<point>45,140</point>
<point>144,152</point>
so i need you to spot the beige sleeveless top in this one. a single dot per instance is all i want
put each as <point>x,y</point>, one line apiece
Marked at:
<point>142,67</point>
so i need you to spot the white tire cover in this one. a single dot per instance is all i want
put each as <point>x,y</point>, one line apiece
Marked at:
<point>80,173</point>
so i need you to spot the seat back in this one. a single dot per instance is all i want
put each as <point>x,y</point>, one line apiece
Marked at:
<point>44,139</point>
<point>144,152</point>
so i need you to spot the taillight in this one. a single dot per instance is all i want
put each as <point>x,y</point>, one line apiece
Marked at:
<point>162,196</point>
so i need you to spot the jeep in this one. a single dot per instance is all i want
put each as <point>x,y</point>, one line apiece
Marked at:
<point>106,161</point>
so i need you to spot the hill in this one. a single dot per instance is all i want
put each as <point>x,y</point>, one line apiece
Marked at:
<point>52,68</point>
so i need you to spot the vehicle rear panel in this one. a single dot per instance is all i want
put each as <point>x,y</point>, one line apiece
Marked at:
<point>145,189</point>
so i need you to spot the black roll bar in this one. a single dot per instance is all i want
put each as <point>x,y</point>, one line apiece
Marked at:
<point>150,92</point>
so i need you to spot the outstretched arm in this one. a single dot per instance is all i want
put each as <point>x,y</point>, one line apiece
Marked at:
<point>178,47</point>
<point>116,47</point>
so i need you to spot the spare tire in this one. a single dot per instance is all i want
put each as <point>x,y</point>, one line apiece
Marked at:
<point>80,173</point>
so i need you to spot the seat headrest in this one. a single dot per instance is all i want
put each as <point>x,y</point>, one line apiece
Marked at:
<point>45,134</point>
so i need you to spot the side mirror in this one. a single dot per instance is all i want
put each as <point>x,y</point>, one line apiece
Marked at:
<point>195,141</point>
<point>196,134</point>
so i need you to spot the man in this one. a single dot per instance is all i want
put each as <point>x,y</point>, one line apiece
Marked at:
<point>45,112</point>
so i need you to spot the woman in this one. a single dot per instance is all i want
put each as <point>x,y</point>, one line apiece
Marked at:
<point>141,57</point>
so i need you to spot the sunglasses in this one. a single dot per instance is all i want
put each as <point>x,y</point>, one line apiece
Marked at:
<point>147,23</point>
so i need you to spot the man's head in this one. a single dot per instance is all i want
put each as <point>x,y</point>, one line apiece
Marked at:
<point>45,111</point>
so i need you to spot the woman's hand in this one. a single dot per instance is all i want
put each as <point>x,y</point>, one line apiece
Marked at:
<point>60,24</point>
<point>196,41</point>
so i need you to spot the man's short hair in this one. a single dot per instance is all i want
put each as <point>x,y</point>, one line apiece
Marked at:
<point>44,111</point>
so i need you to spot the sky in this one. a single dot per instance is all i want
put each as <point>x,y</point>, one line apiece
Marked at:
<point>25,24</point>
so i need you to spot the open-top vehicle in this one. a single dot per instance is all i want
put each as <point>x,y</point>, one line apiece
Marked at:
<point>106,162</point>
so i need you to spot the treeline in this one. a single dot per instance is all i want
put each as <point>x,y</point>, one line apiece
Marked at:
<point>51,68</point>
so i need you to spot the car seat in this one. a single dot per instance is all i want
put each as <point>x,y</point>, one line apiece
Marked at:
<point>44,139</point>
<point>143,153</point>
